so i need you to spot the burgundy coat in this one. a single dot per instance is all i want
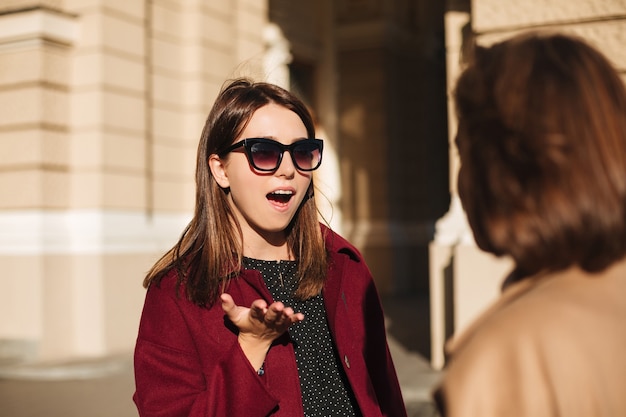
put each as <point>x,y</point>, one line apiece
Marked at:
<point>188,361</point>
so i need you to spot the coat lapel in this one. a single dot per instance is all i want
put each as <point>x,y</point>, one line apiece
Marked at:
<point>255,280</point>
<point>333,294</point>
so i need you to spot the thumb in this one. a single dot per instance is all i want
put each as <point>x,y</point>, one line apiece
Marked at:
<point>227,303</point>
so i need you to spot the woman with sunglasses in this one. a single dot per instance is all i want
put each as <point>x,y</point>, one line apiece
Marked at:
<point>259,310</point>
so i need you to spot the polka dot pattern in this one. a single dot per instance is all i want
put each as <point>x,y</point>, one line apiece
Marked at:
<point>325,389</point>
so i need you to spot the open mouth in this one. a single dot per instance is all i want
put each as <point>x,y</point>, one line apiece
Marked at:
<point>280,196</point>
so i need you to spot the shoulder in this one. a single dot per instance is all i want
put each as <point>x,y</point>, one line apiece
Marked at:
<point>518,316</point>
<point>337,244</point>
<point>545,318</point>
<point>169,293</point>
<point>347,269</point>
<point>538,327</point>
<point>492,359</point>
<point>170,284</point>
<point>507,331</point>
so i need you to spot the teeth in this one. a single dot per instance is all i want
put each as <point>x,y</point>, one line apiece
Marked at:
<point>284,192</point>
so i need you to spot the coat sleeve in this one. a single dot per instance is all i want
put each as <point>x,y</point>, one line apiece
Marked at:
<point>171,380</point>
<point>380,364</point>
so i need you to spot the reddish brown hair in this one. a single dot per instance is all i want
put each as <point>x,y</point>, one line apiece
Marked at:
<point>542,143</point>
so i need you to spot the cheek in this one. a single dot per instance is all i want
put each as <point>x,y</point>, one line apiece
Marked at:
<point>244,185</point>
<point>239,173</point>
<point>307,184</point>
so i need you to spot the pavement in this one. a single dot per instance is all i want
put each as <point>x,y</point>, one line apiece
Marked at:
<point>90,388</point>
<point>103,387</point>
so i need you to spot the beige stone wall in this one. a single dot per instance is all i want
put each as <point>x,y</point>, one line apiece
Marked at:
<point>464,280</point>
<point>102,106</point>
<point>103,102</point>
<point>603,23</point>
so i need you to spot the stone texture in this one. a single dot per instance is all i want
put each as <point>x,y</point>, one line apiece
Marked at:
<point>495,15</point>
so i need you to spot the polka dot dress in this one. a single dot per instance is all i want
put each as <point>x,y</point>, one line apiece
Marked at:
<point>325,390</point>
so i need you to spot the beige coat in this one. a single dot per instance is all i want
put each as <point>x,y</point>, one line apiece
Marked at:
<point>552,345</point>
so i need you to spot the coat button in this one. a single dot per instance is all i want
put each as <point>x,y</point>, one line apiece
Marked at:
<point>345,359</point>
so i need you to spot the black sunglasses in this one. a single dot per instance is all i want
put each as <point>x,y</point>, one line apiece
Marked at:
<point>267,154</point>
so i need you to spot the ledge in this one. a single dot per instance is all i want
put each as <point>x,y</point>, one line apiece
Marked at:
<point>38,24</point>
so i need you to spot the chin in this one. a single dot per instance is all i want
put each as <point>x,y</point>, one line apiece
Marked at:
<point>278,227</point>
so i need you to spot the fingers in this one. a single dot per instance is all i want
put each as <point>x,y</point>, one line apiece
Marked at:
<point>274,318</point>
<point>277,313</point>
<point>293,316</point>
<point>297,317</point>
<point>227,302</point>
<point>282,316</point>
<point>259,305</point>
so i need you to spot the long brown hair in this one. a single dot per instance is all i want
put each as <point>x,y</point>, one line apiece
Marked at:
<point>542,143</point>
<point>209,251</point>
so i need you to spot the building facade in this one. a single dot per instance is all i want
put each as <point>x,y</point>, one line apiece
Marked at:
<point>103,101</point>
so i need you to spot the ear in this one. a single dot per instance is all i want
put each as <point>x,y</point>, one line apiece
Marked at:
<point>218,169</point>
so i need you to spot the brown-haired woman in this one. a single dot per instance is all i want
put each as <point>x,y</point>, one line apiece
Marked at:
<point>542,144</point>
<point>258,310</point>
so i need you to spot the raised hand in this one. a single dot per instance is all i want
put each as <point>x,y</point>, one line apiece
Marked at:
<point>259,325</point>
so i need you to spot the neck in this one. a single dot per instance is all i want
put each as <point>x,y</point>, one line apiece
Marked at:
<point>258,247</point>
<point>268,253</point>
<point>265,245</point>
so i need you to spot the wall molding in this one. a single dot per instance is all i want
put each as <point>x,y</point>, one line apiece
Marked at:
<point>36,232</point>
<point>38,23</point>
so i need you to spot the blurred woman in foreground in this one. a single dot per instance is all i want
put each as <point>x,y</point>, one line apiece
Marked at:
<point>542,143</point>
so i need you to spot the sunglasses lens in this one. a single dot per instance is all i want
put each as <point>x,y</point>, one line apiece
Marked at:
<point>307,156</point>
<point>265,156</point>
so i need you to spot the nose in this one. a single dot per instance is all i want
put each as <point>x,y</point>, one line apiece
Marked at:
<point>286,167</point>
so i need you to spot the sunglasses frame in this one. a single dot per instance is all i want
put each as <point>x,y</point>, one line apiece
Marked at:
<point>249,142</point>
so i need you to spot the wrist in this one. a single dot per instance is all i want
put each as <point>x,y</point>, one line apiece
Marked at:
<point>254,349</point>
